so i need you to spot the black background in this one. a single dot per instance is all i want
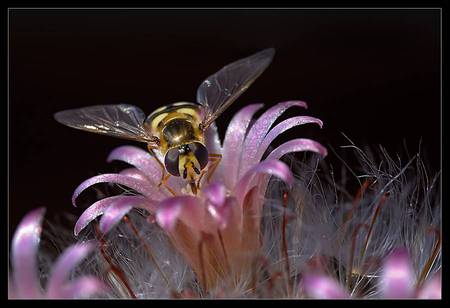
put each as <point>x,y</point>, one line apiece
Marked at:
<point>372,74</point>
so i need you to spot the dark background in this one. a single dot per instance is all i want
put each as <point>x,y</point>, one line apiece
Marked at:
<point>372,74</point>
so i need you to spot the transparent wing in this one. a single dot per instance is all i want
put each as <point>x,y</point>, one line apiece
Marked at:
<point>121,121</point>
<point>220,90</point>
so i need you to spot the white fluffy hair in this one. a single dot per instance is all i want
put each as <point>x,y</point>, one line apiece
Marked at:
<point>316,220</point>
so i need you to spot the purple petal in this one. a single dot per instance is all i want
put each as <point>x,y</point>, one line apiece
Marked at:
<point>215,193</point>
<point>25,245</point>
<point>114,213</point>
<point>83,287</point>
<point>99,207</point>
<point>135,173</point>
<point>139,158</point>
<point>272,167</point>
<point>397,279</point>
<point>432,289</point>
<point>259,130</point>
<point>150,191</point>
<point>221,213</point>
<point>190,210</point>
<point>71,257</point>
<point>297,145</point>
<point>280,128</point>
<point>234,139</point>
<point>322,287</point>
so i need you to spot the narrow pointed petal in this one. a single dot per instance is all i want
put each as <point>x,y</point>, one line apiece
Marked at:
<point>25,245</point>
<point>190,210</point>
<point>322,287</point>
<point>233,142</point>
<point>281,128</point>
<point>99,207</point>
<point>221,213</point>
<point>140,159</point>
<point>71,257</point>
<point>84,287</point>
<point>135,173</point>
<point>272,167</point>
<point>397,279</point>
<point>432,289</point>
<point>259,130</point>
<point>114,213</point>
<point>152,192</point>
<point>215,193</point>
<point>298,145</point>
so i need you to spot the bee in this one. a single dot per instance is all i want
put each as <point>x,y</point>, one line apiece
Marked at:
<point>175,133</point>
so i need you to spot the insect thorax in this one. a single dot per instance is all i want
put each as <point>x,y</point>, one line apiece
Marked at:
<point>175,124</point>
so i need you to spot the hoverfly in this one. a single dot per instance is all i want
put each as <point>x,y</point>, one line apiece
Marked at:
<point>177,130</point>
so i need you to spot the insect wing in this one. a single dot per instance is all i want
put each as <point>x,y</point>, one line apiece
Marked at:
<point>122,121</point>
<point>221,89</point>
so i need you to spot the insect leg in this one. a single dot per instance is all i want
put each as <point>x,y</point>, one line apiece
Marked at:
<point>163,169</point>
<point>215,161</point>
<point>164,182</point>
<point>164,177</point>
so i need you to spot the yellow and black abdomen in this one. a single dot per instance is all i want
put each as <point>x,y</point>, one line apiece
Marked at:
<point>175,124</point>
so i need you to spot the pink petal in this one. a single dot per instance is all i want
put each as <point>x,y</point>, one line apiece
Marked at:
<point>297,145</point>
<point>95,210</point>
<point>280,128</point>
<point>150,191</point>
<point>25,245</point>
<point>432,289</point>
<point>71,257</point>
<point>397,279</point>
<point>139,158</point>
<point>259,130</point>
<point>84,287</point>
<point>114,213</point>
<point>135,173</point>
<point>221,213</point>
<point>322,287</point>
<point>234,139</point>
<point>215,193</point>
<point>272,167</point>
<point>190,210</point>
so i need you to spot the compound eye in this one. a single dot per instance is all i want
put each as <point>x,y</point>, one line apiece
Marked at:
<point>171,161</point>
<point>200,152</point>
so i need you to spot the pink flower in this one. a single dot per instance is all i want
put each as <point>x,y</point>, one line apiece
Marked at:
<point>397,281</point>
<point>25,281</point>
<point>217,230</point>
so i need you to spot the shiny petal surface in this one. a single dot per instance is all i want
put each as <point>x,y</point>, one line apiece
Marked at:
<point>297,145</point>
<point>259,130</point>
<point>140,159</point>
<point>135,173</point>
<point>25,245</point>
<point>151,192</point>
<point>222,212</point>
<point>272,167</point>
<point>190,210</point>
<point>92,212</point>
<point>397,279</point>
<point>281,128</point>
<point>322,287</point>
<point>71,257</point>
<point>233,142</point>
<point>114,213</point>
<point>84,287</point>
<point>215,193</point>
<point>432,289</point>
